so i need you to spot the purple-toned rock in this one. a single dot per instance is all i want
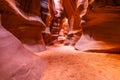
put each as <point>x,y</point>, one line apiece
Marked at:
<point>16,62</point>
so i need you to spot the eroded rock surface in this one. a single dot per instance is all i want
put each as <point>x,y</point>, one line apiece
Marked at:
<point>16,62</point>
<point>22,18</point>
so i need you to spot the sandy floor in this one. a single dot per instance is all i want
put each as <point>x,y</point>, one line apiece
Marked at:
<point>66,63</point>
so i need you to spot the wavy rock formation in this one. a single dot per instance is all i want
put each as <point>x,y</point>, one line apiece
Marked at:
<point>17,62</point>
<point>22,18</point>
<point>101,30</point>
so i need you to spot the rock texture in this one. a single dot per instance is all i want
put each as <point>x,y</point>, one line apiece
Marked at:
<point>22,18</point>
<point>17,62</point>
<point>101,30</point>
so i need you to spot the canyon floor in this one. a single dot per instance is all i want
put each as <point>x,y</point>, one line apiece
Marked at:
<point>66,63</point>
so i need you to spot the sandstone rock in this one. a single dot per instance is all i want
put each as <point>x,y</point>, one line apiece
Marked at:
<point>16,62</point>
<point>22,18</point>
<point>101,31</point>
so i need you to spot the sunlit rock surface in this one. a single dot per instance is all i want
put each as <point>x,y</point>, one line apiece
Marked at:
<point>101,30</point>
<point>63,62</point>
